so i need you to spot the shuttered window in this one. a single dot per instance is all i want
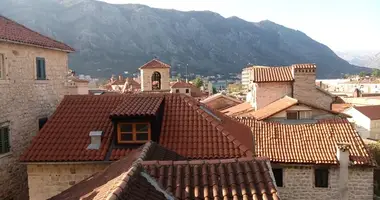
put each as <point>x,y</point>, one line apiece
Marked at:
<point>321,177</point>
<point>4,140</point>
<point>40,67</point>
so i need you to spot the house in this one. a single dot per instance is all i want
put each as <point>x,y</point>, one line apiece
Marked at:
<point>366,120</point>
<point>76,85</point>
<point>33,78</point>
<point>187,88</point>
<point>325,160</point>
<point>131,85</point>
<point>154,172</point>
<point>155,75</point>
<point>88,132</point>
<point>269,84</point>
<point>221,101</point>
<point>285,110</point>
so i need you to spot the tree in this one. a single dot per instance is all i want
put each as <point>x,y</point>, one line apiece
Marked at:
<point>362,74</point>
<point>214,90</point>
<point>346,76</point>
<point>375,73</point>
<point>198,82</point>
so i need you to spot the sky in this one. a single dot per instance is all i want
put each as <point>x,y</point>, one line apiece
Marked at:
<point>343,25</point>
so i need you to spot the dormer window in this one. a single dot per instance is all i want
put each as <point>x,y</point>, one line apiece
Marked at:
<point>133,132</point>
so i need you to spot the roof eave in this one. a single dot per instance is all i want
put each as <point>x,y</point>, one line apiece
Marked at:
<point>39,46</point>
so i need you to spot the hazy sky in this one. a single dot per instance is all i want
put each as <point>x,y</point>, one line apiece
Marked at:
<point>340,24</point>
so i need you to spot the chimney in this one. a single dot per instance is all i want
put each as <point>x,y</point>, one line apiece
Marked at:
<point>96,139</point>
<point>120,77</point>
<point>343,156</point>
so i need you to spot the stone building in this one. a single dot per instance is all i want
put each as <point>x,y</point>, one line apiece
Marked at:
<point>33,72</point>
<point>326,160</point>
<point>269,84</point>
<point>187,88</point>
<point>155,75</point>
<point>88,132</point>
<point>366,120</point>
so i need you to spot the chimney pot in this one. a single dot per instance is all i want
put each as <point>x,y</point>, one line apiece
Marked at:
<point>96,139</point>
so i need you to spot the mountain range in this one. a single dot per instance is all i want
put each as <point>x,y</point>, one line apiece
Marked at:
<point>114,38</point>
<point>369,59</point>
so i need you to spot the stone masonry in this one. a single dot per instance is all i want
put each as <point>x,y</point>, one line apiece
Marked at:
<point>298,183</point>
<point>47,180</point>
<point>266,93</point>
<point>23,100</point>
<point>146,78</point>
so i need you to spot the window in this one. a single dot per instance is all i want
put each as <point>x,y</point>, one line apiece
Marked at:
<point>187,90</point>
<point>42,122</point>
<point>2,67</point>
<point>292,115</point>
<point>305,114</point>
<point>176,90</point>
<point>278,174</point>
<point>4,140</point>
<point>40,65</point>
<point>321,178</point>
<point>133,132</point>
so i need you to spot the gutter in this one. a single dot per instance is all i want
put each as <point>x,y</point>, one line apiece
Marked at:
<point>33,45</point>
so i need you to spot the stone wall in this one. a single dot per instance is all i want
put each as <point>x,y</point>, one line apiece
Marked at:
<point>304,89</point>
<point>23,100</point>
<point>298,183</point>
<point>146,78</point>
<point>266,93</point>
<point>47,180</point>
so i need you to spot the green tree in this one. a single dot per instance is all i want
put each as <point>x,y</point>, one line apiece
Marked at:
<point>198,82</point>
<point>375,73</point>
<point>214,90</point>
<point>362,74</point>
<point>346,76</point>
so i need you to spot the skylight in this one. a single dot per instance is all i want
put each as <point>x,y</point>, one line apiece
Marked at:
<point>210,113</point>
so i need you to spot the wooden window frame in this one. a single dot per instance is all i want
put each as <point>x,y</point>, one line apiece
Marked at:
<point>42,74</point>
<point>176,91</point>
<point>134,133</point>
<point>298,116</point>
<point>187,91</point>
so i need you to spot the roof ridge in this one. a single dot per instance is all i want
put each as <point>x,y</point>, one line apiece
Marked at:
<point>204,161</point>
<point>2,16</point>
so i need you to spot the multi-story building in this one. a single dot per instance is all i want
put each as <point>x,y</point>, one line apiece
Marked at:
<point>33,73</point>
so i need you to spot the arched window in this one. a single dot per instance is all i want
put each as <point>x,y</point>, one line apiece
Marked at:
<point>156,81</point>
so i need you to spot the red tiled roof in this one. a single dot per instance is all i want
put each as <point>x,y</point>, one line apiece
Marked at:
<point>340,107</point>
<point>274,108</point>
<point>118,82</point>
<point>187,128</point>
<point>155,63</point>
<point>181,84</point>
<point>138,106</point>
<point>132,82</point>
<point>100,185</point>
<point>244,178</point>
<point>240,108</point>
<point>307,143</point>
<point>11,31</point>
<point>305,66</point>
<point>271,74</point>
<point>372,112</point>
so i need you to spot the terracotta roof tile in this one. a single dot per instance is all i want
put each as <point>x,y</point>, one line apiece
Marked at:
<point>188,128</point>
<point>238,109</point>
<point>155,63</point>
<point>118,82</point>
<point>11,31</point>
<point>305,66</point>
<point>274,108</point>
<point>138,106</point>
<point>271,74</point>
<point>182,84</point>
<point>372,112</point>
<point>340,107</point>
<point>101,185</point>
<point>224,179</point>
<point>307,143</point>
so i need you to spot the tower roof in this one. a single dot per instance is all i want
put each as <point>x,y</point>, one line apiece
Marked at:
<point>154,64</point>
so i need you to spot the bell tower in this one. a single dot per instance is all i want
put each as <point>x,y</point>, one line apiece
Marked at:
<point>155,75</point>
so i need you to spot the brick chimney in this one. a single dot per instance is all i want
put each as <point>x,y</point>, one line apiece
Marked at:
<point>343,156</point>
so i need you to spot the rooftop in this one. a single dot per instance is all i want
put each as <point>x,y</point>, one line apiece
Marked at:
<point>307,143</point>
<point>140,176</point>
<point>372,112</point>
<point>187,127</point>
<point>11,31</point>
<point>154,64</point>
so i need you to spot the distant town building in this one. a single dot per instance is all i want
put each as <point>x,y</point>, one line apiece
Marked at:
<point>366,119</point>
<point>33,81</point>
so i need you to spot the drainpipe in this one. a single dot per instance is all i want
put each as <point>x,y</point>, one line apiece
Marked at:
<point>343,156</point>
